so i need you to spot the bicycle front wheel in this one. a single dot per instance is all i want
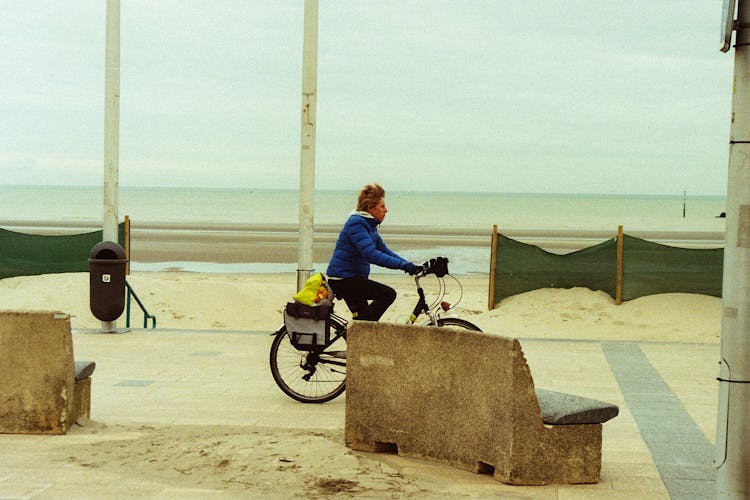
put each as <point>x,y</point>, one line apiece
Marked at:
<point>306,376</point>
<point>458,323</point>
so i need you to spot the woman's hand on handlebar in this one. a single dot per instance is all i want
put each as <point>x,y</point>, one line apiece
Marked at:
<point>415,270</point>
<point>437,266</point>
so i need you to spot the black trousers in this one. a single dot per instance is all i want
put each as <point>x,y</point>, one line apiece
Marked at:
<point>366,299</point>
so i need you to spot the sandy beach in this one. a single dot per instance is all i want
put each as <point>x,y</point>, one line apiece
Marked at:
<point>253,302</point>
<point>228,431</point>
<point>192,450</point>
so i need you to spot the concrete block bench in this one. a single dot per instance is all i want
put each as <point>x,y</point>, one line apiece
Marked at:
<point>466,399</point>
<point>42,389</point>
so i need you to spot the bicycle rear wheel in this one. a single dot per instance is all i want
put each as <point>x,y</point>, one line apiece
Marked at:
<point>458,323</point>
<point>306,376</point>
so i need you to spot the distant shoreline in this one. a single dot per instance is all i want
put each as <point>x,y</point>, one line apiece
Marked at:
<point>278,243</point>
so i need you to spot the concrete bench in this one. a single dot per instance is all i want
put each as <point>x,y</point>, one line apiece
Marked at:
<point>466,399</point>
<point>42,389</point>
<point>559,408</point>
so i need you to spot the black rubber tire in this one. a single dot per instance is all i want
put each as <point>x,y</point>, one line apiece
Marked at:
<point>458,323</point>
<point>328,381</point>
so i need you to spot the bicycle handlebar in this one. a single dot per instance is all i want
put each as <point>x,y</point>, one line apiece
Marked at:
<point>437,266</point>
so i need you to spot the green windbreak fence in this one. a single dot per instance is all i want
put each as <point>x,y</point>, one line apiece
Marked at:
<point>645,268</point>
<point>649,268</point>
<point>31,254</point>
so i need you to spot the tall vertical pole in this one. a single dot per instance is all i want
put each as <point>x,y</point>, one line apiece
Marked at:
<point>733,422</point>
<point>111,128</point>
<point>111,119</point>
<point>307,147</point>
<point>620,256</point>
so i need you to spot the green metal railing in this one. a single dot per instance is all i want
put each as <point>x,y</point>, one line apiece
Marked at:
<point>146,315</point>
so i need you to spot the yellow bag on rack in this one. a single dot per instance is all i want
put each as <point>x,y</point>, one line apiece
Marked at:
<point>315,291</point>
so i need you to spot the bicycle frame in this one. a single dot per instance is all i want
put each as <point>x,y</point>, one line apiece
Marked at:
<point>316,374</point>
<point>421,306</point>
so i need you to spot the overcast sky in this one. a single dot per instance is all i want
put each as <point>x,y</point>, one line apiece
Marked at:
<point>605,96</point>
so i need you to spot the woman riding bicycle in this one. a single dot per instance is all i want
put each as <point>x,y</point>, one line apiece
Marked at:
<point>358,246</point>
<point>308,357</point>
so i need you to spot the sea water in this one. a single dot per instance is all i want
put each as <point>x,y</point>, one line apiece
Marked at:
<point>443,209</point>
<point>185,207</point>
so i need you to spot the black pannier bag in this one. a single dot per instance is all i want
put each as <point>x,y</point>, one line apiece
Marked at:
<point>309,327</point>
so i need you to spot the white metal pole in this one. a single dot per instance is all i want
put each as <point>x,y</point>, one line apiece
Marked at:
<point>111,119</point>
<point>307,147</point>
<point>111,128</point>
<point>733,422</point>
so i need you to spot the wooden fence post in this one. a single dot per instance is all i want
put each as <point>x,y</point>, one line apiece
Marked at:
<point>493,266</point>
<point>126,243</point>
<point>618,286</point>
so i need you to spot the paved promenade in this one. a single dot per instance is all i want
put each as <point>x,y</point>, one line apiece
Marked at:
<point>165,384</point>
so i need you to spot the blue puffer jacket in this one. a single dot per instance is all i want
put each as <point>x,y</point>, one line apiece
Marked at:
<point>360,245</point>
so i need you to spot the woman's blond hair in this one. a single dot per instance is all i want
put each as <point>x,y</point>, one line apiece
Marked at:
<point>369,197</point>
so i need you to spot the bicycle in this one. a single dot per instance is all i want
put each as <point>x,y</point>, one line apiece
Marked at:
<point>316,374</point>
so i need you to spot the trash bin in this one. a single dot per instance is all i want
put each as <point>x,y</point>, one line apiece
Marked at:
<point>107,264</point>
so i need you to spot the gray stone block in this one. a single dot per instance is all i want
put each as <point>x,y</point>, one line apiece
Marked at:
<point>559,408</point>
<point>39,390</point>
<point>459,397</point>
